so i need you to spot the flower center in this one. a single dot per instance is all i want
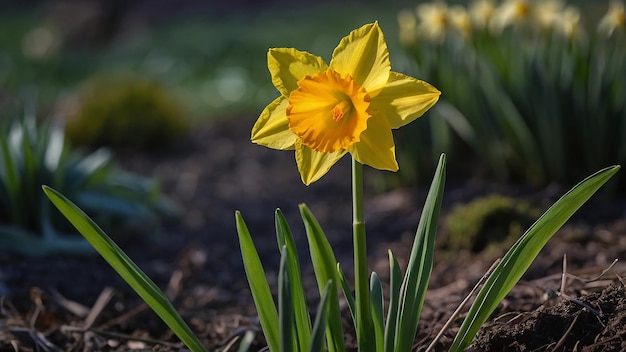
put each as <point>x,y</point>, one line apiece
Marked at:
<point>522,10</point>
<point>328,111</point>
<point>620,19</point>
<point>341,109</point>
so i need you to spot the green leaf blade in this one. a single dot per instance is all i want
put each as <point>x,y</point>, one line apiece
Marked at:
<point>298,299</point>
<point>415,283</point>
<point>321,320</point>
<point>395,277</point>
<point>324,266</point>
<point>347,293</point>
<point>126,268</point>
<point>285,306</point>
<point>517,260</point>
<point>261,294</point>
<point>378,311</point>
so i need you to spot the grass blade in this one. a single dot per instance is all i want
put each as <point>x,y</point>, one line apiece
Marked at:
<point>259,287</point>
<point>517,260</point>
<point>415,281</point>
<point>300,310</point>
<point>126,268</point>
<point>325,267</point>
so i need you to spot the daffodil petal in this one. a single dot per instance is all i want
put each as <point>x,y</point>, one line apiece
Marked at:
<point>313,164</point>
<point>272,127</point>
<point>288,66</point>
<point>404,99</point>
<point>363,55</point>
<point>376,147</point>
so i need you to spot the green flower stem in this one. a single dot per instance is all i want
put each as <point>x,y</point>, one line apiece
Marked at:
<point>363,322</point>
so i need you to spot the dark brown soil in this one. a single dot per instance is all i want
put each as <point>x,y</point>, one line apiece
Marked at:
<point>67,303</point>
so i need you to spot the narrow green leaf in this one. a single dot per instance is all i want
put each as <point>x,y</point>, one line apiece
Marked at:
<point>285,308</point>
<point>395,282</point>
<point>247,340</point>
<point>321,320</point>
<point>258,285</point>
<point>126,268</point>
<point>347,293</point>
<point>10,178</point>
<point>416,279</point>
<point>29,170</point>
<point>298,299</point>
<point>378,311</point>
<point>54,149</point>
<point>512,124</point>
<point>324,265</point>
<point>517,260</point>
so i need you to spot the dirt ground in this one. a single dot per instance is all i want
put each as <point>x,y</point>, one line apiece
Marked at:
<point>67,303</point>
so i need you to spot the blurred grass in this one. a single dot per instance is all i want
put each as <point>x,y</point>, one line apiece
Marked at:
<point>216,65</point>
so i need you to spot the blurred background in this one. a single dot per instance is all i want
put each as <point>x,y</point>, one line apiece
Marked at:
<point>211,55</point>
<point>533,92</point>
<point>523,81</point>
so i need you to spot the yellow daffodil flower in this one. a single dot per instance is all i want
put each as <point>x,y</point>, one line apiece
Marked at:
<point>537,15</point>
<point>461,21</point>
<point>512,12</point>
<point>350,106</point>
<point>569,25</point>
<point>481,12</point>
<point>548,14</point>
<point>434,20</point>
<point>407,24</point>
<point>615,19</point>
<point>438,21</point>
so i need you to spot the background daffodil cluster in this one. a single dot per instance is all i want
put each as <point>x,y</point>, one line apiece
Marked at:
<point>348,106</point>
<point>435,21</point>
<point>534,88</point>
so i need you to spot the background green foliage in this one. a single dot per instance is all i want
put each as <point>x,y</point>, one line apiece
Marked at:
<point>516,106</point>
<point>125,111</point>
<point>215,64</point>
<point>34,153</point>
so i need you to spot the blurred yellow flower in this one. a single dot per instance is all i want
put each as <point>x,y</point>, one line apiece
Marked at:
<point>437,20</point>
<point>532,14</point>
<point>407,24</point>
<point>461,20</point>
<point>433,20</point>
<point>615,19</point>
<point>349,106</point>
<point>511,12</point>
<point>480,12</point>
<point>569,25</point>
<point>548,13</point>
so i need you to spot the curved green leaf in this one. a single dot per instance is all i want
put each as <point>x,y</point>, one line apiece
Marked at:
<point>415,283</point>
<point>258,285</point>
<point>517,260</point>
<point>378,311</point>
<point>285,306</point>
<point>300,309</point>
<point>321,320</point>
<point>324,265</point>
<point>126,268</point>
